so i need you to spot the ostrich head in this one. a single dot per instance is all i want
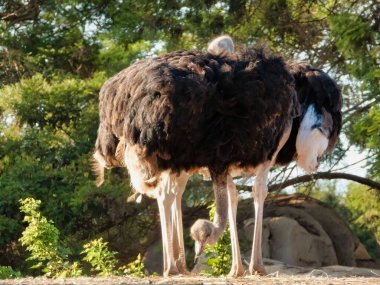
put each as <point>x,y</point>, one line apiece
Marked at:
<point>313,138</point>
<point>203,232</point>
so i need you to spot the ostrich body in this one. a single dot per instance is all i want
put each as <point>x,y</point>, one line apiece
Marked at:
<point>167,117</point>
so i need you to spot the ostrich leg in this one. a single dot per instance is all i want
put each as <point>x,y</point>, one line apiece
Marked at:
<point>178,244</point>
<point>165,200</point>
<point>237,267</point>
<point>221,205</point>
<point>260,192</point>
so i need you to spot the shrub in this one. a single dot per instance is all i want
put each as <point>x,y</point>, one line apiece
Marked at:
<point>41,239</point>
<point>7,272</point>
<point>135,268</point>
<point>100,257</point>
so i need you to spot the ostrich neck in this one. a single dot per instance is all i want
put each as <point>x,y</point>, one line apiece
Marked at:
<point>221,206</point>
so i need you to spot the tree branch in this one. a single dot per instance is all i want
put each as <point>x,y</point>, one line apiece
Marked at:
<point>324,175</point>
<point>309,178</point>
<point>29,11</point>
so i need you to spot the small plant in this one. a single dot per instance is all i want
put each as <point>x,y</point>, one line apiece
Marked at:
<point>41,239</point>
<point>7,272</point>
<point>219,255</point>
<point>135,268</point>
<point>100,257</point>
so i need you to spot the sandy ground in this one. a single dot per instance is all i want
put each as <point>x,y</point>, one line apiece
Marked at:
<point>278,274</point>
<point>254,280</point>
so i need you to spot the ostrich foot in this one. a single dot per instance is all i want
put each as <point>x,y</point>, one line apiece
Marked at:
<point>236,271</point>
<point>173,270</point>
<point>257,269</point>
<point>182,268</point>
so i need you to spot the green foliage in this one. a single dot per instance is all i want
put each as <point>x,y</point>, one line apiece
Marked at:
<point>114,57</point>
<point>101,259</point>
<point>55,56</point>
<point>135,268</point>
<point>7,272</point>
<point>199,194</point>
<point>219,256</point>
<point>364,207</point>
<point>366,134</point>
<point>53,144</point>
<point>41,239</point>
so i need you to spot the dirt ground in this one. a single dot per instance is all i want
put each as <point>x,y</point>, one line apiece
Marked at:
<point>278,274</point>
<point>254,280</point>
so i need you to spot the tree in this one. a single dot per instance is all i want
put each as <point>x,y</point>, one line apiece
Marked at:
<point>55,56</point>
<point>364,219</point>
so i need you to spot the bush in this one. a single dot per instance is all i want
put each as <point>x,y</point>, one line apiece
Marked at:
<point>41,239</point>
<point>7,272</point>
<point>135,268</point>
<point>100,257</point>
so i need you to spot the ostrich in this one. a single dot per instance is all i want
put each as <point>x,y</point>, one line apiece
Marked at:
<point>313,133</point>
<point>167,117</point>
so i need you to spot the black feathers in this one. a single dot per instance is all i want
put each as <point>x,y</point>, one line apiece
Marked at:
<point>191,109</point>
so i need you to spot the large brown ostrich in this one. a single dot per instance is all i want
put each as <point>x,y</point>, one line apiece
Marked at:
<point>183,111</point>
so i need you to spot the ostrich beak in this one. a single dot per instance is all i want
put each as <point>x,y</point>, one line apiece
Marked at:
<point>199,247</point>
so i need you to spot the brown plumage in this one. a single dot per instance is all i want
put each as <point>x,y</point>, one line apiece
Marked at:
<point>191,109</point>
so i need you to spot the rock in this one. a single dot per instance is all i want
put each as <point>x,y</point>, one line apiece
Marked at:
<point>153,258</point>
<point>344,271</point>
<point>201,265</point>
<point>294,237</point>
<point>361,253</point>
<point>277,268</point>
<point>343,239</point>
<point>248,227</point>
<point>375,264</point>
<point>293,244</point>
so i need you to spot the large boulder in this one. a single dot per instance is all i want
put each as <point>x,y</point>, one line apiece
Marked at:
<point>343,239</point>
<point>153,259</point>
<point>285,239</point>
<point>293,244</point>
<point>247,234</point>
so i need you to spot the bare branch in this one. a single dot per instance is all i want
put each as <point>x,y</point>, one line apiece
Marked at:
<point>309,178</point>
<point>324,175</point>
